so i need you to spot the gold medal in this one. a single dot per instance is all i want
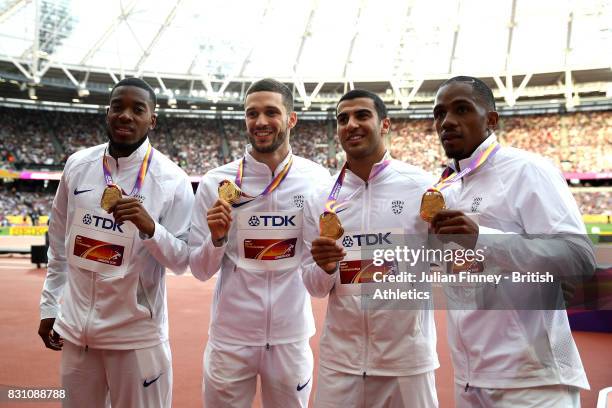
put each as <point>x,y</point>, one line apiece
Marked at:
<point>110,196</point>
<point>431,203</point>
<point>228,191</point>
<point>330,226</point>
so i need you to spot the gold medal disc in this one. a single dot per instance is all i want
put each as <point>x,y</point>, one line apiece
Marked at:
<point>110,196</point>
<point>431,203</point>
<point>228,191</point>
<point>330,226</point>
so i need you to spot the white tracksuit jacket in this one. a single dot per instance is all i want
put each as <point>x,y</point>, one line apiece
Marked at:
<point>128,312</point>
<point>260,302</point>
<point>377,341</point>
<point>516,192</point>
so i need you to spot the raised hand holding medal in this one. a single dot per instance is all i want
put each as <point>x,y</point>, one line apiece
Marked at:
<point>129,208</point>
<point>229,192</point>
<point>329,223</point>
<point>432,201</point>
<point>112,193</point>
<point>219,216</point>
<point>330,226</point>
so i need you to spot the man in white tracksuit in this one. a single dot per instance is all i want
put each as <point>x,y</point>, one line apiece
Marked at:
<point>381,353</point>
<point>104,299</point>
<point>261,317</point>
<point>505,356</point>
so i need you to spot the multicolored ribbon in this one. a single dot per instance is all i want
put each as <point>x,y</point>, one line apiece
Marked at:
<point>269,189</point>
<point>448,179</point>
<point>142,173</point>
<point>331,205</point>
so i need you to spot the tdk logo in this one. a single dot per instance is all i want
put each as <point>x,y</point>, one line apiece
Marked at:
<point>272,220</point>
<point>347,242</point>
<point>101,222</point>
<point>368,239</point>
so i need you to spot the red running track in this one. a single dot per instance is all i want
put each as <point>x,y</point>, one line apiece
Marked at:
<point>25,361</point>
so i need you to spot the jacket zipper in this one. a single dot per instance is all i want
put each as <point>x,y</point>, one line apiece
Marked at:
<point>366,323</point>
<point>465,352</point>
<point>269,279</point>
<point>91,306</point>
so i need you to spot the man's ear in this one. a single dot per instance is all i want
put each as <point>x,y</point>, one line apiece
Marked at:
<point>292,121</point>
<point>385,126</point>
<point>492,120</point>
<point>153,121</point>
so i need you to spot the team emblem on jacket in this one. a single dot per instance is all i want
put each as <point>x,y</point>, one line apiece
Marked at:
<point>397,206</point>
<point>476,203</point>
<point>298,200</point>
<point>347,242</point>
<point>254,221</point>
<point>87,219</point>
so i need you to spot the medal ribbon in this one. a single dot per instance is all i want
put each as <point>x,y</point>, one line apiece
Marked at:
<point>142,173</point>
<point>330,205</point>
<point>474,164</point>
<point>269,189</point>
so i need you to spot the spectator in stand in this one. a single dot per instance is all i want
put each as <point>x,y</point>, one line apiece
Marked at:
<point>577,142</point>
<point>22,203</point>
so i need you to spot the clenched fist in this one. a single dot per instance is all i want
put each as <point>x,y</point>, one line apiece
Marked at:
<point>219,218</point>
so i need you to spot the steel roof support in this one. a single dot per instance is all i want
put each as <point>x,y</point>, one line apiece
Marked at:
<point>349,54</point>
<point>107,33</point>
<point>158,35</point>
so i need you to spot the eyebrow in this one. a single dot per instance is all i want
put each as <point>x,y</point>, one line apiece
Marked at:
<point>455,102</point>
<point>265,107</point>
<point>118,99</point>
<point>362,110</point>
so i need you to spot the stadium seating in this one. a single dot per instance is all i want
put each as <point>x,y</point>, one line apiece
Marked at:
<point>578,142</point>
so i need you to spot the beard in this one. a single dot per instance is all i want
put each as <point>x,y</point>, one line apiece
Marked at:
<point>122,146</point>
<point>277,141</point>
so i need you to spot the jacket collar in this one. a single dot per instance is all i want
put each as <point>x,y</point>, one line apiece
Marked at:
<point>256,167</point>
<point>463,163</point>
<point>133,159</point>
<point>352,178</point>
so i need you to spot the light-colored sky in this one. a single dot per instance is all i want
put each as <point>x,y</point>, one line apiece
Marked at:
<point>255,38</point>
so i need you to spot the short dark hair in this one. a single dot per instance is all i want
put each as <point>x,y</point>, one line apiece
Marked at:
<point>481,89</point>
<point>272,85</point>
<point>379,105</point>
<point>139,83</point>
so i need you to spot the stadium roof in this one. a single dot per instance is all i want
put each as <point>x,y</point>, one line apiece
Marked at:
<point>216,47</point>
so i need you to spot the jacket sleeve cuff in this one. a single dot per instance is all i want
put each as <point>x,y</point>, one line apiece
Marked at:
<point>216,250</point>
<point>48,312</point>
<point>205,259</point>
<point>155,240</point>
<point>328,278</point>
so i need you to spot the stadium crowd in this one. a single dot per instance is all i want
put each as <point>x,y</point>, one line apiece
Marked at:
<point>578,142</point>
<point>594,202</point>
<point>28,206</point>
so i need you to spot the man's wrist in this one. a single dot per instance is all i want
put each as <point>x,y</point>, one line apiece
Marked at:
<point>219,242</point>
<point>147,232</point>
<point>332,271</point>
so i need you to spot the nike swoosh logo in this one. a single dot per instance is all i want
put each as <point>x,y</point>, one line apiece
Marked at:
<point>301,387</point>
<point>77,192</point>
<point>147,383</point>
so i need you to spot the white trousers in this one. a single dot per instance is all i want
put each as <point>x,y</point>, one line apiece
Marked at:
<point>336,389</point>
<point>230,375</point>
<point>549,396</point>
<point>119,378</point>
